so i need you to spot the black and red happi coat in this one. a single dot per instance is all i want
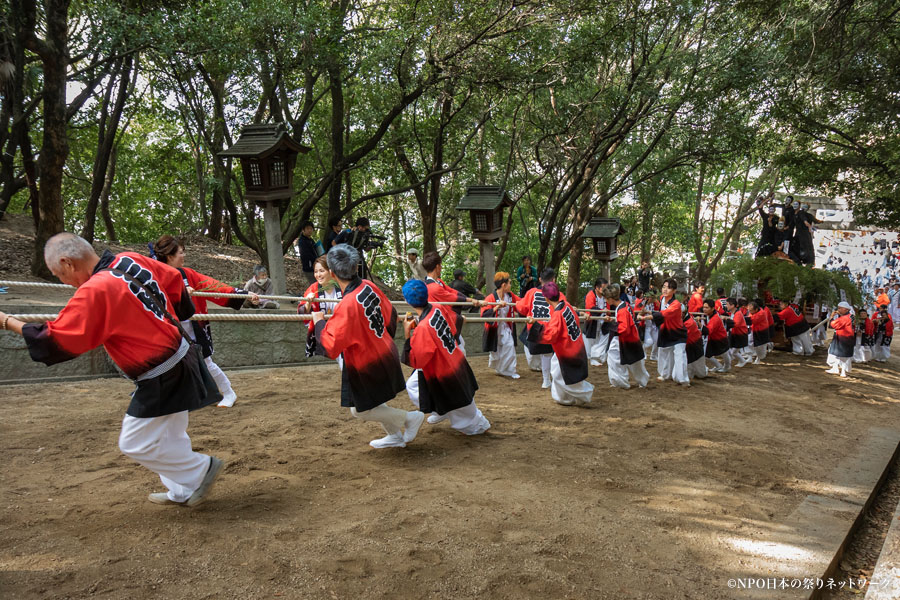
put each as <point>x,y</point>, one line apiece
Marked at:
<point>631,349</point>
<point>563,333</point>
<point>694,342</point>
<point>204,283</point>
<point>739,331</point>
<point>794,321</point>
<point>844,341</point>
<point>491,335</point>
<point>670,323</point>
<point>446,381</point>
<point>112,311</point>
<point>362,331</point>
<point>886,329</point>
<point>533,304</point>
<point>716,336</point>
<point>592,301</point>
<point>760,324</point>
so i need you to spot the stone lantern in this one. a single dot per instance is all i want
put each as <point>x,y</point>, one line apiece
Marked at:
<point>603,232</point>
<point>486,204</point>
<point>268,155</point>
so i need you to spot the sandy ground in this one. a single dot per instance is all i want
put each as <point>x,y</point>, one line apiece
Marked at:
<point>647,494</point>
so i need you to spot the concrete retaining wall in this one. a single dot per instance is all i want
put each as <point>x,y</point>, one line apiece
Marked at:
<point>237,344</point>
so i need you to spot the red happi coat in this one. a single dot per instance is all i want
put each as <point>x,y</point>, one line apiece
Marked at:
<point>362,331</point>
<point>631,349</point>
<point>446,381</point>
<point>670,323</point>
<point>886,329</point>
<point>533,304</point>
<point>563,334</point>
<point>438,291</point>
<point>868,335</point>
<point>770,320</point>
<point>760,324</point>
<point>739,331</point>
<point>720,306</point>
<point>694,342</point>
<point>327,307</point>
<point>111,311</point>
<point>491,334</point>
<point>204,283</point>
<point>794,321</point>
<point>844,341</point>
<point>716,336</point>
<point>592,301</point>
<point>695,303</point>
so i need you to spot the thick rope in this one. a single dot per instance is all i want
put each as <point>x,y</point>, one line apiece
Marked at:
<point>226,295</point>
<point>39,318</point>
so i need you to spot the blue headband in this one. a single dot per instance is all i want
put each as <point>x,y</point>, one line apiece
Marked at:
<point>415,292</point>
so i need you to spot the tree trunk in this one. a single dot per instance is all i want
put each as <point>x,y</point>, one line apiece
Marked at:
<point>104,196</point>
<point>53,51</point>
<point>106,137</point>
<point>337,138</point>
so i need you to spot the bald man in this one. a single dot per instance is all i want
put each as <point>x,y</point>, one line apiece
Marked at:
<point>126,303</point>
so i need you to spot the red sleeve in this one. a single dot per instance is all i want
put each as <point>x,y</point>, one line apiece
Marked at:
<point>81,324</point>
<point>334,336</point>
<point>523,304</point>
<point>590,301</point>
<point>205,283</point>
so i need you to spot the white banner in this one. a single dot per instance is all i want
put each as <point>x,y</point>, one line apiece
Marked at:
<point>799,295</point>
<point>736,289</point>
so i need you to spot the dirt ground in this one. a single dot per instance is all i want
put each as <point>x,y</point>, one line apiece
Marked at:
<point>646,494</point>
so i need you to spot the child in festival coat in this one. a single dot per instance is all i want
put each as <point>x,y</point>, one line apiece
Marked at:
<point>625,355</point>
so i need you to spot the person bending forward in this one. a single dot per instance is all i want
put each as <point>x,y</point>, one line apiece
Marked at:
<point>362,331</point>
<point>442,383</point>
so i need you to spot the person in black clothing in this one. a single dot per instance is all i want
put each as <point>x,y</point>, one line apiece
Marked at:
<point>462,286</point>
<point>357,236</point>
<point>645,277</point>
<point>308,254</point>
<point>803,235</point>
<point>769,234</point>
<point>334,229</point>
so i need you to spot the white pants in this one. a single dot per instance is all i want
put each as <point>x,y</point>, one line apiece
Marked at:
<point>219,377</point>
<point>575,394</point>
<point>651,334</point>
<point>818,336</point>
<point>467,420</point>
<point>461,344</point>
<point>839,363</point>
<point>672,363</point>
<point>741,355</point>
<point>697,369</point>
<point>861,353</point>
<point>162,445</point>
<point>599,348</point>
<point>619,373</point>
<point>880,352</point>
<point>504,359</point>
<point>722,362</point>
<point>533,360</point>
<point>391,419</point>
<point>759,353</point>
<point>802,344</point>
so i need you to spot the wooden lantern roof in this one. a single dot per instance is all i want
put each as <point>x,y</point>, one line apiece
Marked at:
<point>603,227</point>
<point>484,197</point>
<point>260,141</point>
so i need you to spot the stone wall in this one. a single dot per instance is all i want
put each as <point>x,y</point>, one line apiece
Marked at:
<point>237,344</point>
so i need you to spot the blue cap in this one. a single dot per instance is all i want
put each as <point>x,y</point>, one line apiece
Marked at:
<point>415,292</point>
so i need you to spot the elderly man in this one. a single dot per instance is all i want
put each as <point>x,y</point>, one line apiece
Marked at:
<point>124,302</point>
<point>362,331</point>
